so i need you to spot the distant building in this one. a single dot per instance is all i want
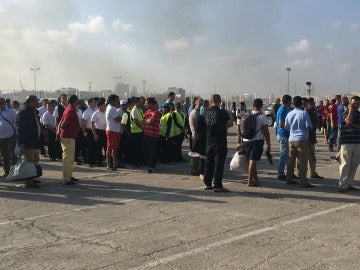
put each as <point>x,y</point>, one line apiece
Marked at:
<point>122,90</point>
<point>133,92</point>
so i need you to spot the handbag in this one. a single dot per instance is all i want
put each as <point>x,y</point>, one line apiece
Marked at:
<point>239,162</point>
<point>24,169</point>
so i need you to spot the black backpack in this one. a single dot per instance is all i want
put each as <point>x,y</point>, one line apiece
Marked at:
<point>248,126</point>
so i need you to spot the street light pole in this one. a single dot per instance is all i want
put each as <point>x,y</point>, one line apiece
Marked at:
<point>288,82</point>
<point>143,82</point>
<point>35,69</point>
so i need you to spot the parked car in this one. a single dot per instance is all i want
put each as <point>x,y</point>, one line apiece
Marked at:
<point>269,112</point>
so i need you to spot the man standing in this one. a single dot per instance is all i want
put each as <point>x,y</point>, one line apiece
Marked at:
<point>217,123</point>
<point>113,120</point>
<point>350,146</point>
<point>68,130</point>
<point>178,132</point>
<point>283,136</point>
<point>7,136</point>
<point>340,111</point>
<point>254,147</point>
<point>137,132</point>
<point>98,127</point>
<point>171,98</point>
<point>298,123</point>
<point>48,121</point>
<point>151,133</point>
<point>28,123</point>
<point>333,121</point>
<point>194,114</point>
<point>311,110</point>
<point>88,134</point>
<point>240,112</point>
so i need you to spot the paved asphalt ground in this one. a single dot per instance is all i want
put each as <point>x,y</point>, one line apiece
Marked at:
<point>130,219</point>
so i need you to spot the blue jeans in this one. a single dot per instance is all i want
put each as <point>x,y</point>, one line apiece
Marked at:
<point>283,155</point>
<point>332,137</point>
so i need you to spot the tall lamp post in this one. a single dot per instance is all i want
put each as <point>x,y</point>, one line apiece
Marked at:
<point>35,69</point>
<point>288,83</point>
<point>309,85</point>
<point>143,82</point>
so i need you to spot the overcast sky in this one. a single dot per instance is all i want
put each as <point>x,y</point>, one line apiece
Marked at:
<point>232,46</point>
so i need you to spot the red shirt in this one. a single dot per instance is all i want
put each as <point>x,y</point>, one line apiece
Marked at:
<point>153,128</point>
<point>71,119</point>
<point>324,110</point>
<point>333,114</point>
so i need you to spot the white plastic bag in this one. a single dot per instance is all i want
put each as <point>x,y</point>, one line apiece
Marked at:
<point>22,170</point>
<point>239,162</point>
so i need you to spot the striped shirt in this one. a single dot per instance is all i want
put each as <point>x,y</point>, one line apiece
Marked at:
<point>152,129</point>
<point>349,134</point>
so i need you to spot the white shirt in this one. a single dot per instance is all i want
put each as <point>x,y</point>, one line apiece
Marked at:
<point>124,119</point>
<point>42,110</point>
<point>240,113</point>
<point>261,120</point>
<point>192,117</point>
<point>121,113</point>
<point>7,130</point>
<point>98,117</point>
<point>87,117</point>
<point>48,119</point>
<point>79,114</point>
<point>56,111</point>
<point>110,115</point>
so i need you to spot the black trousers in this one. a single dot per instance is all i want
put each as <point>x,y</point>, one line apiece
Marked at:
<point>151,150</point>
<point>124,149</point>
<point>90,147</point>
<point>214,164</point>
<point>136,153</point>
<point>7,147</point>
<point>100,145</point>
<point>178,140</point>
<point>165,149</point>
<point>80,147</point>
<point>53,145</point>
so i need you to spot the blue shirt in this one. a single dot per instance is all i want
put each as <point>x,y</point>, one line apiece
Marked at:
<point>297,122</point>
<point>280,116</point>
<point>340,111</point>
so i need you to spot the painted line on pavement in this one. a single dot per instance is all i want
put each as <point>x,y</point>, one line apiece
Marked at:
<point>230,240</point>
<point>155,193</point>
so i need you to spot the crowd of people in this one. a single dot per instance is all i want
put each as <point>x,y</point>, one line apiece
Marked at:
<point>141,131</point>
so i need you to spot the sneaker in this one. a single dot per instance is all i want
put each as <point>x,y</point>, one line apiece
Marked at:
<point>353,188</point>
<point>281,177</point>
<point>317,176</point>
<point>32,185</point>
<point>70,183</point>
<point>151,170</point>
<point>342,190</point>
<point>221,189</point>
<point>74,179</point>
<point>291,182</point>
<point>113,169</point>
<point>306,185</point>
<point>295,176</point>
<point>208,188</point>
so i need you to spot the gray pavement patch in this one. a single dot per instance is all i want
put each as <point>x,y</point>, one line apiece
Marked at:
<point>230,240</point>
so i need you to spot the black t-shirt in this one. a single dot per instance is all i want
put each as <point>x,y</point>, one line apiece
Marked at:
<point>216,129</point>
